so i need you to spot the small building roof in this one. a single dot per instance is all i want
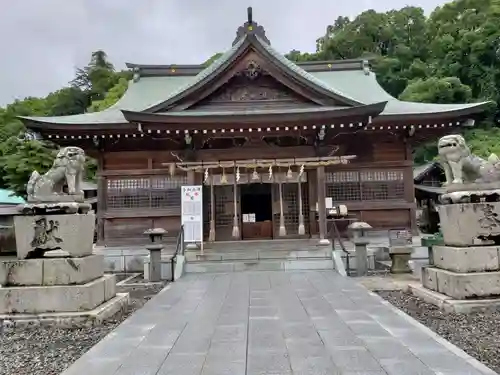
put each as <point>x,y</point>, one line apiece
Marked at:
<point>8,197</point>
<point>420,171</point>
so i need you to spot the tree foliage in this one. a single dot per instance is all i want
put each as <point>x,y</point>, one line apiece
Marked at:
<point>95,87</point>
<point>452,56</point>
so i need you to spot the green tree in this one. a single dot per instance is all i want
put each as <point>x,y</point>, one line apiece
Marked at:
<point>19,158</point>
<point>96,78</point>
<point>111,97</point>
<point>437,90</point>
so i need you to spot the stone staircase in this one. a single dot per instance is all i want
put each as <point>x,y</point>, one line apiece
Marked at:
<point>285,255</point>
<point>233,256</point>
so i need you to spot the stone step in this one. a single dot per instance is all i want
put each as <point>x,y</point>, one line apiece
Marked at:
<point>257,255</point>
<point>259,265</point>
<point>243,246</point>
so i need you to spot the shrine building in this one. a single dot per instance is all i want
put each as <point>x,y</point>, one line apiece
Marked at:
<point>267,138</point>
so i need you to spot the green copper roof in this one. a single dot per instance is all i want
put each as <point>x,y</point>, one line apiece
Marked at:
<point>148,94</point>
<point>365,88</point>
<point>140,95</point>
<point>205,73</point>
<point>310,77</point>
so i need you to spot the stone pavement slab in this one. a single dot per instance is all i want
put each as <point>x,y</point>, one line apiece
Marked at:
<point>272,323</point>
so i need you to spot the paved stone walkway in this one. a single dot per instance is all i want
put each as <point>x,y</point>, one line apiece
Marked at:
<point>265,323</point>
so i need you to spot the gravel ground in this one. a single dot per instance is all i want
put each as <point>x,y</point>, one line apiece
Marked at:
<point>477,334</point>
<point>49,351</point>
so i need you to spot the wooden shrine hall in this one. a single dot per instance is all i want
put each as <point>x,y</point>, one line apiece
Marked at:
<point>269,140</point>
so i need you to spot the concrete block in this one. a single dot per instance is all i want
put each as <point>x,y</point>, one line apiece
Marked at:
<point>49,299</point>
<point>462,285</point>
<point>75,233</point>
<point>66,271</point>
<point>114,263</point>
<point>95,316</point>
<point>21,272</point>
<point>134,263</point>
<point>451,305</point>
<point>468,259</point>
<point>469,224</point>
<point>311,264</point>
<point>109,287</point>
<point>51,271</point>
<point>429,277</point>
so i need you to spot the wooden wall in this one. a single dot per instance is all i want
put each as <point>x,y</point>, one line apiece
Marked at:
<point>381,157</point>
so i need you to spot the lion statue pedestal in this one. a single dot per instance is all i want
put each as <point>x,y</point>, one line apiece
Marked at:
<point>57,279</point>
<point>465,274</point>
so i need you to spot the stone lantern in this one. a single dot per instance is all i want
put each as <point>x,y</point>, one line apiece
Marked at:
<point>359,237</point>
<point>155,248</point>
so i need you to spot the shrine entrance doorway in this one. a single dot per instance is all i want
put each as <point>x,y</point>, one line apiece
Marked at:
<point>256,202</point>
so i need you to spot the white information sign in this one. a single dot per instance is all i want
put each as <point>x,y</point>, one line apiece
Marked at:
<point>192,213</point>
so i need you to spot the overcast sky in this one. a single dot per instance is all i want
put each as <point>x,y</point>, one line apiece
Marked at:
<point>42,41</point>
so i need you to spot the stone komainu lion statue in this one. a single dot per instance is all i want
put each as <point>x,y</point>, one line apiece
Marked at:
<point>68,168</point>
<point>462,167</point>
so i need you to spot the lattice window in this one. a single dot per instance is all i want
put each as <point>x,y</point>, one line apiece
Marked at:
<point>341,177</point>
<point>343,186</point>
<point>166,191</point>
<point>382,185</point>
<point>163,192</point>
<point>224,205</point>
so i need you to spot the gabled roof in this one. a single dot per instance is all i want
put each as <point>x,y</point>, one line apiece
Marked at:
<point>420,171</point>
<point>159,87</point>
<point>246,42</point>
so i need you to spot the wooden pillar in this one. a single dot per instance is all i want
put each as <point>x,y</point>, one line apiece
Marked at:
<point>282,230</point>
<point>322,206</point>
<point>102,198</point>
<point>302,229</point>
<point>236,224</point>
<point>191,178</point>
<point>101,207</point>
<point>211,235</point>
<point>312,184</point>
<point>409,188</point>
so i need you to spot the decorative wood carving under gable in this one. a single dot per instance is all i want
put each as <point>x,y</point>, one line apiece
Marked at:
<point>254,87</point>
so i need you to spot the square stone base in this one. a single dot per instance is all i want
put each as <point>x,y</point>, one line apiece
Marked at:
<point>71,319</point>
<point>450,305</point>
<point>59,298</point>
<point>467,259</point>
<point>51,271</point>
<point>461,285</point>
<point>469,224</point>
<point>75,233</point>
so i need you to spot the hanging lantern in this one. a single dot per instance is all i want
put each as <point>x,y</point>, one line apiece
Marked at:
<point>255,175</point>
<point>238,174</point>
<point>270,172</point>
<point>223,178</point>
<point>289,173</point>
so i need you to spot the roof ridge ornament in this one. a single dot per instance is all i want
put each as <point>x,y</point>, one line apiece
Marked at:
<point>137,74</point>
<point>366,67</point>
<point>250,28</point>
